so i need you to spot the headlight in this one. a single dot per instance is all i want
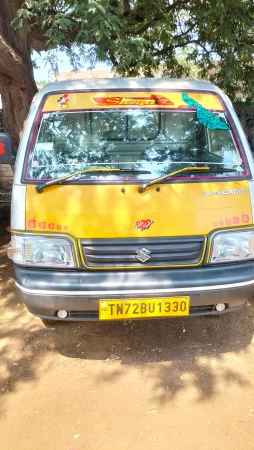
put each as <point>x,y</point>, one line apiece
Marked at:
<point>41,251</point>
<point>232,246</point>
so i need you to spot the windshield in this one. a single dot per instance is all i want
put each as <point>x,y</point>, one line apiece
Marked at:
<point>159,141</point>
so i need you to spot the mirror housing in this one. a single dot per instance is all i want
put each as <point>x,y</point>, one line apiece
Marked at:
<point>7,152</point>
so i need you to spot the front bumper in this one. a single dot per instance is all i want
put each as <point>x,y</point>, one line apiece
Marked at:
<point>46,291</point>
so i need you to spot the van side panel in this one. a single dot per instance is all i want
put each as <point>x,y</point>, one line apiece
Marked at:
<point>18,207</point>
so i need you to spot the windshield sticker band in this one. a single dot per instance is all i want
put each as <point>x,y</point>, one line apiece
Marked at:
<point>140,101</point>
<point>206,118</point>
<point>73,101</point>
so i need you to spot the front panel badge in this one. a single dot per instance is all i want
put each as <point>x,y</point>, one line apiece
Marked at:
<point>143,255</point>
<point>143,224</point>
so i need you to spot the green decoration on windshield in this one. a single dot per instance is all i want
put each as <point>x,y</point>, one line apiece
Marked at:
<point>206,118</point>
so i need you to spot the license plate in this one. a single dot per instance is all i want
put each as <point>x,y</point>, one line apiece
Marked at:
<point>141,308</point>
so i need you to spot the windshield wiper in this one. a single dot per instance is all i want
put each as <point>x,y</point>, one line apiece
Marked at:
<point>39,187</point>
<point>143,186</point>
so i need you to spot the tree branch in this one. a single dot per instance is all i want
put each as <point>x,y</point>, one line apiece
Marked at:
<point>141,30</point>
<point>40,40</point>
<point>196,41</point>
<point>126,8</point>
<point>11,61</point>
<point>113,59</point>
<point>157,17</point>
<point>165,50</point>
<point>183,33</point>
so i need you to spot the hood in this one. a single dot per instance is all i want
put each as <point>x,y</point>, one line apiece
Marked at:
<point>104,211</point>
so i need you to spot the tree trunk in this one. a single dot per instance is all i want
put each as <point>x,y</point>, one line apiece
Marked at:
<point>16,100</point>
<point>17,85</point>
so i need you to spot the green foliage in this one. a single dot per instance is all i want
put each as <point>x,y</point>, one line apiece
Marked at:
<point>41,83</point>
<point>212,39</point>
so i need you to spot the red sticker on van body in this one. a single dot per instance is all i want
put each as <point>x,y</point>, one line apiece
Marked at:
<point>143,224</point>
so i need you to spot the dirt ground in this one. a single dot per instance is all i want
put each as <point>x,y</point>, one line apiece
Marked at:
<point>170,384</point>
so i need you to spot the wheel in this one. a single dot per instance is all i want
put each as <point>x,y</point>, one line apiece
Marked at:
<point>49,322</point>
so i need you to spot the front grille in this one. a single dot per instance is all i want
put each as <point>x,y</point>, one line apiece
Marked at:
<point>154,252</point>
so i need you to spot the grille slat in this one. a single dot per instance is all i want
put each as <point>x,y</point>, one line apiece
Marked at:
<point>131,258</point>
<point>124,252</point>
<point>127,249</point>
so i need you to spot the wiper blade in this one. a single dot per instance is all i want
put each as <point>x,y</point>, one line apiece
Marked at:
<point>143,186</point>
<point>39,187</point>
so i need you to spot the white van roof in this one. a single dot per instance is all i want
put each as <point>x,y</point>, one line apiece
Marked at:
<point>119,84</point>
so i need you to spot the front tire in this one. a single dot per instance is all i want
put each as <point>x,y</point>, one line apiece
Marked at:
<point>49,322</point>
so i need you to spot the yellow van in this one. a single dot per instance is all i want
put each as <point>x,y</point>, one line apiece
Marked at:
<point>132,198</point>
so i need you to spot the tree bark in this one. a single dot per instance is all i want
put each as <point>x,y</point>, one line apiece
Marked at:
<point>17,85</point>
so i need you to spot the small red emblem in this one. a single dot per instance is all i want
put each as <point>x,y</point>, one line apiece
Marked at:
<point>2,149</point>
<point>245,218</point>
<point>143,224</point>
<point>32,223</point>
<point>42,224</point>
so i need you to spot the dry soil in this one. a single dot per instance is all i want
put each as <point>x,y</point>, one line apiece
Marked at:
<point>169,384</point>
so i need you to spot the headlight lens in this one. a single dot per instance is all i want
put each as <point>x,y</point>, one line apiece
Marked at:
<point>41,251</point>
<point>232,246</point>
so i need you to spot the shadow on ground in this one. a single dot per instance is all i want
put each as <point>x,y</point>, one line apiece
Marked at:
<point>189,351</point>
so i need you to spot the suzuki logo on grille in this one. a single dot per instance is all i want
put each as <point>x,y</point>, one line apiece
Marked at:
<point>143,255</point>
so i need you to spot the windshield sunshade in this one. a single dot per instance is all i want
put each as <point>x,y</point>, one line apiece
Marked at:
<point>158,141</point>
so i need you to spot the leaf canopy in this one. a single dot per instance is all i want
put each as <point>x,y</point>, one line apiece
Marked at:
<point>142,37</point>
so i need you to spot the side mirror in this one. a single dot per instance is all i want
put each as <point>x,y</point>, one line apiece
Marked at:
<point>7,152</point>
